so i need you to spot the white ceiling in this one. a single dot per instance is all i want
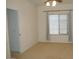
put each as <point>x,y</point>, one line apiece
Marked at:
<point>41,2</point>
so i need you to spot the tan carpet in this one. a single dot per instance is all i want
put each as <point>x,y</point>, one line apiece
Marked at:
<point>49,51</point>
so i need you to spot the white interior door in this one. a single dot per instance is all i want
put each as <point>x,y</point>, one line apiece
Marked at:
<point>13,29</point>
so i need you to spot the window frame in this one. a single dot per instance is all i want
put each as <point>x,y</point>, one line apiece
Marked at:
<point>59,23</point>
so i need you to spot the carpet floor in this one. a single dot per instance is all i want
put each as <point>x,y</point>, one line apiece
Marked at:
<point>48,51</point>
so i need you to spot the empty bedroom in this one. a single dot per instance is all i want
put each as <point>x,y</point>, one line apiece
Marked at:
<point>39,29</point>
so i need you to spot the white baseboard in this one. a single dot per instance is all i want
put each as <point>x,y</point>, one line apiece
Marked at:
<point>48,41</point>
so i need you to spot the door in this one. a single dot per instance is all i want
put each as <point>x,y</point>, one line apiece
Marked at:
<point>13,29</point>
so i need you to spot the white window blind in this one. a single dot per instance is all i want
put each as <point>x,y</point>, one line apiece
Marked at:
<point>58,23</point>
<point>63,24</point>
<point>53,24</point>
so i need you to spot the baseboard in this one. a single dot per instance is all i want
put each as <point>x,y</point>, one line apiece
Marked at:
<point>55,42</point>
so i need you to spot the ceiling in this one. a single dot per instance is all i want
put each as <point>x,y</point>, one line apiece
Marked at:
<point>41,2</point>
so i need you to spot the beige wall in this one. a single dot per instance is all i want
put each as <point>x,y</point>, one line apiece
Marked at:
<point>27,13</point>
<point>42,23</point>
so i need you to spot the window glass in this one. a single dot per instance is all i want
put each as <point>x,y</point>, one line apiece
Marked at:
<point>63,24</point>
<point>57,24</point>
<point>53,24</point>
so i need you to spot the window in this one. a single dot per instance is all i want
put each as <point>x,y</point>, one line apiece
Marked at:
<point>57,24</point>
